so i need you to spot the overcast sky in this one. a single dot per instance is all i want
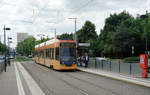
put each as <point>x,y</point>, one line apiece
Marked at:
<point>40,16</point>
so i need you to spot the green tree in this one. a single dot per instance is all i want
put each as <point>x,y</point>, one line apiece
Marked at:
<point>26,47</point>
<point>123,40</point>
<point>108,33</point>
<point>2,48</point>
<point>87,32</point>
<point>66,36</point>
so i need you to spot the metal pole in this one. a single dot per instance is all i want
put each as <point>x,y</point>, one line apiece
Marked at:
<point>75,28</point>
<point>146,31</point>
<point>5,48</point>
<point>110,65</point>
<point>119,66</point>
<point>0,38</point>
<point>75,36</point>
<point>130,69</point>
<point>8,52</point>
<point>55,32</point>
<point>76,32</point>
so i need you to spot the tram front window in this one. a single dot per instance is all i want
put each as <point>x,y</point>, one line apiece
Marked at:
<point>67,54</point>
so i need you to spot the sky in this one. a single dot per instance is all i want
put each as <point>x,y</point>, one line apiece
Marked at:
<point>37,17</point>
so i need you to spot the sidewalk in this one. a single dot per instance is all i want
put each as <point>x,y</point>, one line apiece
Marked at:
<point>8,83</point>
<point>17,81</point>
<point>118,76</point>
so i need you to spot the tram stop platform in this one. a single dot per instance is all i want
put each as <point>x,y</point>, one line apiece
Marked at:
<point>8,83</point>
<point>118,76</point>
<point>17,81</point>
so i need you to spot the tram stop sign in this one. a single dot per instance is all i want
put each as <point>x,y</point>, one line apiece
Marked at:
<point>84,44</point>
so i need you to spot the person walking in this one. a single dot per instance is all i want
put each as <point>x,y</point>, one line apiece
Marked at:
<point>86,60</point>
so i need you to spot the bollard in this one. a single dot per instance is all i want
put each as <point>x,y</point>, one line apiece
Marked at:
<point>130,69</point>
<point>110,65</point>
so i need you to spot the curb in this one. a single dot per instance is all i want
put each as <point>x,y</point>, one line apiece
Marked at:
<point>121,78</point>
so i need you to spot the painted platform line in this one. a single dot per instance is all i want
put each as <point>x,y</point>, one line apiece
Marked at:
<point>19,83</point>
<point>33,86</point>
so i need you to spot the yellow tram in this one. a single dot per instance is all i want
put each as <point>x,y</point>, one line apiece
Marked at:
<point>57,54</point>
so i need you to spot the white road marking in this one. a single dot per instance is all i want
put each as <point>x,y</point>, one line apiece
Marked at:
<point>19,83</point>
<point>83,92</point>
<point>33,86</point>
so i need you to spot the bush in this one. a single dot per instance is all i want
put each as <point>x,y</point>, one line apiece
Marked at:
<point>19,58</point>
<point>132,60</point>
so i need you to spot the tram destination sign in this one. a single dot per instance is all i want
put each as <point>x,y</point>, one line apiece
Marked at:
<point>67,44</point>
<point>84,44</point>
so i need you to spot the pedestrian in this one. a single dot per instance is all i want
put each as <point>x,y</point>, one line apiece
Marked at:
<point>82,60</point>
<point>86,60</point>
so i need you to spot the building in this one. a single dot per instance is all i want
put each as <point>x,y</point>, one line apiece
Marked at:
<point>21,37</point>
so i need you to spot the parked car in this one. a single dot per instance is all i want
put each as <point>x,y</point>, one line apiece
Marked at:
<point>30,56</point>
<point>2,57</point>
<point>101,58</point>
<point>11,57</point>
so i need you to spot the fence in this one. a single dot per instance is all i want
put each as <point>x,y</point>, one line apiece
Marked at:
<point>1,66</point>
<point>116,66</point>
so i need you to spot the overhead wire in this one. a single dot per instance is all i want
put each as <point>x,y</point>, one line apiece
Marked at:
<point>81,7</point>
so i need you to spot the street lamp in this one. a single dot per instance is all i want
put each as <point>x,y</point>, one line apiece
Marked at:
<point>146,36</point>
<point>5,28</point>
<point>75,32</point>
<point>75,21</point>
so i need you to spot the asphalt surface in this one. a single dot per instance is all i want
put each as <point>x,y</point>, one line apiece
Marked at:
<point>80,83</point>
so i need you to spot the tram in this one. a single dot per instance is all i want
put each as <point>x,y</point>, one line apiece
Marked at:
<point>57,54</point>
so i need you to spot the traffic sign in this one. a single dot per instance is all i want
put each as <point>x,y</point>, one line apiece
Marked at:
<point>84,44</point>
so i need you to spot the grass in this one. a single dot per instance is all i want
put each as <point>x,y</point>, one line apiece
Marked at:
<point>20,58</point>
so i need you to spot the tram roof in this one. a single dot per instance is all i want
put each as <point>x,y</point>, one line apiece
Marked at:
<point>46,43</point>
<point>49,42</point>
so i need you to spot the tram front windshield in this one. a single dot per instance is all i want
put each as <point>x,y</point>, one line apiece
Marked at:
<point>67,53</point>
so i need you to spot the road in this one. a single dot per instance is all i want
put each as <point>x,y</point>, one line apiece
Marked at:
<point>80,83</point>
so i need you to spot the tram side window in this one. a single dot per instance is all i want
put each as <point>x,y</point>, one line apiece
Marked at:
<point>38,54</point>
<point>44,51</point>
<point>35,54</point>
<point>42,54</point>
<point>52,53</point>
<point>47,53</point>
<point>57,53</point>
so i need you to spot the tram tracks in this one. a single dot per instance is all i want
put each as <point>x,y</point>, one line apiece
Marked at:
<point>42,85</point>
<point>57,76</point>
<point>83,92</point>
<point>85,81</point>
